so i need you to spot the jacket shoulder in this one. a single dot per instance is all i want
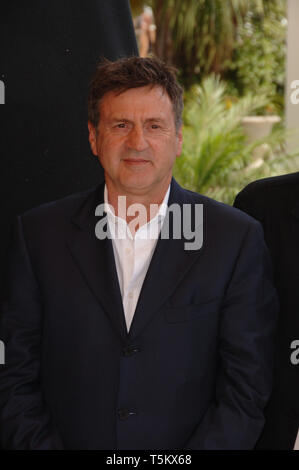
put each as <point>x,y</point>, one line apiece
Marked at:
<point>59,208</point>
<point>221,215</point>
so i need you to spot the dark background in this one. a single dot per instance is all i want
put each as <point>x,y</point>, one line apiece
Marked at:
<point>48,52</point>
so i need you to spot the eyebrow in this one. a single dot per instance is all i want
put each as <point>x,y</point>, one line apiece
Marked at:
<point>122,119</point>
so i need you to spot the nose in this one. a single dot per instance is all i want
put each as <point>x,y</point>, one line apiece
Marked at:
<point>136,139</point>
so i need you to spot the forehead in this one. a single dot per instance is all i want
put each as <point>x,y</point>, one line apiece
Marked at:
<point>143,101</point>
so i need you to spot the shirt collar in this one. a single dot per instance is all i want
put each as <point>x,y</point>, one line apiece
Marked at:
<point>158,219</point>
<point>108,208</point>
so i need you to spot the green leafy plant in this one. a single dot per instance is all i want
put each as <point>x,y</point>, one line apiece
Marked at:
<point>197,36</point>
<point>217,159</point>
<point>258,61</point>
<point>241,40</point>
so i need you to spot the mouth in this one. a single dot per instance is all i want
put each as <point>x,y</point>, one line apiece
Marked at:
<point>134,161</point>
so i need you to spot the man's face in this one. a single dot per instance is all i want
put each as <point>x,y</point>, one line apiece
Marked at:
<point>136,140</point>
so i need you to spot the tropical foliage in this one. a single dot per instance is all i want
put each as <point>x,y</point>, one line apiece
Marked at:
<point>258,61</point>
<point>232,36</point>
<point>217,159</point>
<point>244,43</point>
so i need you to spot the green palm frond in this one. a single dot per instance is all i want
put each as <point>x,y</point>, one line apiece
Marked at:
<point>217,159</point>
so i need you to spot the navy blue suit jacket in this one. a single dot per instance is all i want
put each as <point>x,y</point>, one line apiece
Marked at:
<point>195,369</point>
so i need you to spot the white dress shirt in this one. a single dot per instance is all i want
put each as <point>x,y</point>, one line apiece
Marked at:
<point>133,254</point>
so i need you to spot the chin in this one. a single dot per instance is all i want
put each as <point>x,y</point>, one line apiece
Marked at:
<point>137,185</point>
<point>137,180</point>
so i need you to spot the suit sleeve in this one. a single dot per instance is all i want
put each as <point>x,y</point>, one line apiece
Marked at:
<point>235,418</point>
<point>25,421</point>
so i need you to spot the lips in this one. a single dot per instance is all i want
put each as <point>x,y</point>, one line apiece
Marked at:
<point>132,161</point>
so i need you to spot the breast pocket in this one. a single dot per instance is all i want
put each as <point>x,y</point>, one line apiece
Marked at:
<point>186,313</point>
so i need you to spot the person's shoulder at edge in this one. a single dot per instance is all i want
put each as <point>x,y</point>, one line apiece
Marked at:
<point>265,197</point>
<point>271,187</point>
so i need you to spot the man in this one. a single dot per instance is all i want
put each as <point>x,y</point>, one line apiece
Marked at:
<point>125,335</point>
<point>275,203</point>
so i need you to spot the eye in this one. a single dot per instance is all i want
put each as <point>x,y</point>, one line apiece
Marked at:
<point>155,126</point>
<point>121,125</point>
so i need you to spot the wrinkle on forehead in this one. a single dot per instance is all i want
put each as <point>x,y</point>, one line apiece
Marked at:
<point>139,103</point>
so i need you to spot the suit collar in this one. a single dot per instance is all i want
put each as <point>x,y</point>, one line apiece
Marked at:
<point>95,259</point>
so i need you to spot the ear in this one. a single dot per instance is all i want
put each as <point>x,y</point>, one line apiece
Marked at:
<point>179,141</point>
<point>92,137</point>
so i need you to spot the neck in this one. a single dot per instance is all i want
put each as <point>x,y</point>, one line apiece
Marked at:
<point>128,205</point>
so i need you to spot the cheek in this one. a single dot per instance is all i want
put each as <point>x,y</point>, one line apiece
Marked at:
<point>111,145</point>
<point>167,151</point>
<point>110,152</point>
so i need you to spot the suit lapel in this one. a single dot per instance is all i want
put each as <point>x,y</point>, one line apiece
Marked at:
<point>95,260</point>
<point>169,265</point>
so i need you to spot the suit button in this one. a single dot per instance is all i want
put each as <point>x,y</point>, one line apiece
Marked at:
<point>123,413</point>
<point>130,350</point>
